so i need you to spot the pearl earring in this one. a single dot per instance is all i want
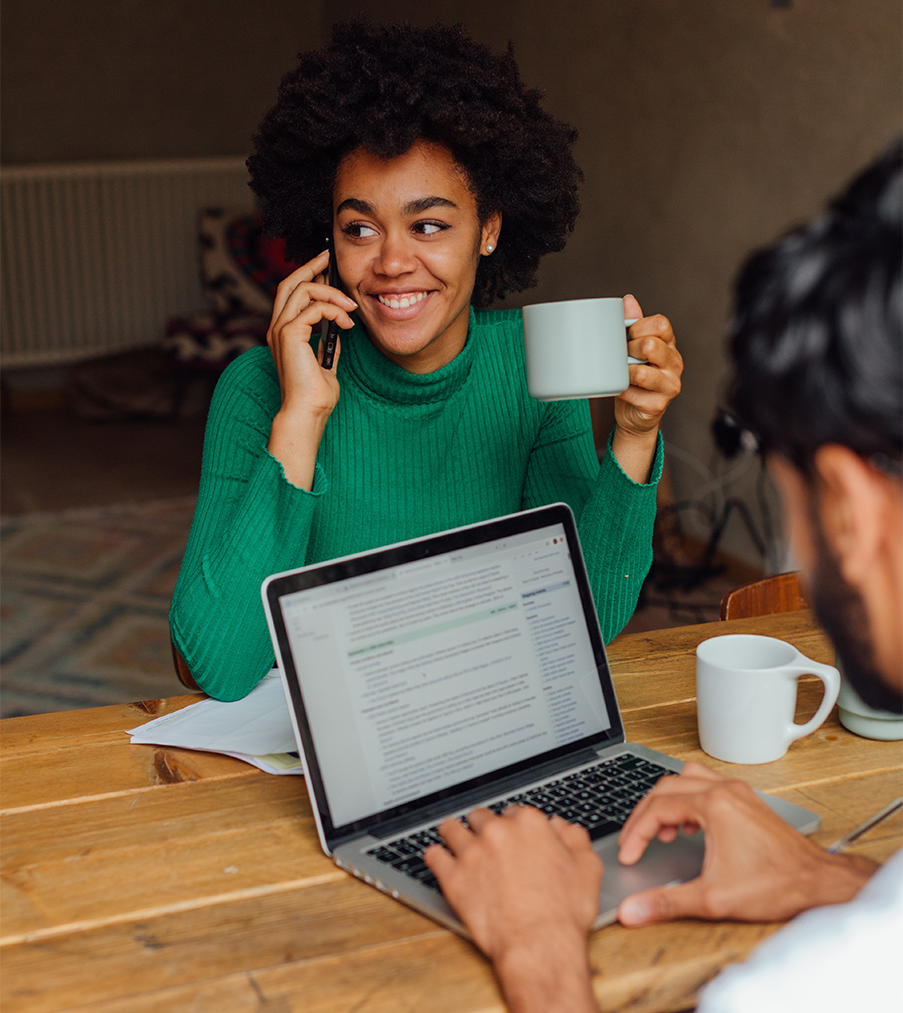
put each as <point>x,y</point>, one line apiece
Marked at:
<point>489,248</point>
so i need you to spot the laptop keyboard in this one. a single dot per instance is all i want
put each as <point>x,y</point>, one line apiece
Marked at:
<point>600,798</point>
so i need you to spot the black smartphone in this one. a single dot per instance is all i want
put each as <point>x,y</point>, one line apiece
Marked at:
<point>332,328</point>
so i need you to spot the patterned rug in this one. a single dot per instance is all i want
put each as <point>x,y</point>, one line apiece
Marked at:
<point>85,597</point>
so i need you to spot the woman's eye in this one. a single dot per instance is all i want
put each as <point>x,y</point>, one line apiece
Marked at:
<point>430,228</point>
<point>357,230</point>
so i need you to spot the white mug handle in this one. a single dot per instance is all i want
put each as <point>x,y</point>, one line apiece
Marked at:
<point>629,322</point>
<point>831,679</point>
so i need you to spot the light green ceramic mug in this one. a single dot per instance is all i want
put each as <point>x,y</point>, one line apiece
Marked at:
<point>577,349</point>
<point>856,715</point>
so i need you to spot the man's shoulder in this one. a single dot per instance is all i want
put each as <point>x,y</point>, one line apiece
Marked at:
<point>859,941</point>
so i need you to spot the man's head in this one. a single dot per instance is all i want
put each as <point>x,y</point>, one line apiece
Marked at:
<point>817,347</point>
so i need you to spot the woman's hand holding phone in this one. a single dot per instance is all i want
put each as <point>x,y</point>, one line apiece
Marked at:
<point>309,392</point>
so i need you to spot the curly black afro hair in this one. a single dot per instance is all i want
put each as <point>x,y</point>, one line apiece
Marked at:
<point>383,88</point>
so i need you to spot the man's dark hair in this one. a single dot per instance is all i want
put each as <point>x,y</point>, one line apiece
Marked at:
<point>383,88</point>
<point>817,339</point>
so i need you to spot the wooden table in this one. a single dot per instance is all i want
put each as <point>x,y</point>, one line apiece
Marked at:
<point>137,878</point>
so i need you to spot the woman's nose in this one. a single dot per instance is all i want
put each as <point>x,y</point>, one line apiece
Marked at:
<point>395,256</point>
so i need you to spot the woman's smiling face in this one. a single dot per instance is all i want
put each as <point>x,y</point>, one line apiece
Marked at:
<point>408,241</point>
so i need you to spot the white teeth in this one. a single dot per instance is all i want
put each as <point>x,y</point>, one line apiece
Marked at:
<point>401,302</point>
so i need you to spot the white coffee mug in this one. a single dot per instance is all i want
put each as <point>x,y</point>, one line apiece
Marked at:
<point>577,349</point>
<point>746,696</point>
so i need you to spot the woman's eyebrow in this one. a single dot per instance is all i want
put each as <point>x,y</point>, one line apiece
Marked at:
<point>353,204</point>
<point>414,207</point>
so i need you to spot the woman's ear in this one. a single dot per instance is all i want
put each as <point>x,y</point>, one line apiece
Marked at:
<point>489,238</point>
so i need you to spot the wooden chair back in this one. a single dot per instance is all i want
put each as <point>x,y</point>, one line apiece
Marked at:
<point>780,593</point>
<point>184,675</point>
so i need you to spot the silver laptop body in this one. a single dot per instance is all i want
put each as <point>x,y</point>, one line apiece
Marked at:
<point>461,669</point>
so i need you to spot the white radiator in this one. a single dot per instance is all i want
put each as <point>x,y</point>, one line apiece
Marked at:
<point>96,257</point>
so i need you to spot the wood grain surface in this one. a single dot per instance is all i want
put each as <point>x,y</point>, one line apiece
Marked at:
<point>137,878</point>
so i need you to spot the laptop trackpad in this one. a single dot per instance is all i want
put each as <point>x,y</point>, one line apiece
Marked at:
<point>662,863</point>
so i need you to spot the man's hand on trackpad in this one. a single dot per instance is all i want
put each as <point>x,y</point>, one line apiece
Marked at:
<point>756,867</point>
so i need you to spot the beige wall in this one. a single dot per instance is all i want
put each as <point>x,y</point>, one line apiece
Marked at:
<point>120,79</point>
<point>707,126</point>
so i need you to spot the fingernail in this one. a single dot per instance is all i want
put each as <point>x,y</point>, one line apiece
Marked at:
<point>633,912</point>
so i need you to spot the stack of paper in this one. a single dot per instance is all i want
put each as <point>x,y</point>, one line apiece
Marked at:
<point>256,729</point>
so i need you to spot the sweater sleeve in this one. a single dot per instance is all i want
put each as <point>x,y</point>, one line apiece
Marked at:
<point>615,515</point>
<point>250,521</point>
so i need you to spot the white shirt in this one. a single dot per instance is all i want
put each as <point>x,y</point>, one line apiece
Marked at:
<point>843,957</point>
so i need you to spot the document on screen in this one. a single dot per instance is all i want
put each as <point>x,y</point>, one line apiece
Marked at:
<point>444,669</point>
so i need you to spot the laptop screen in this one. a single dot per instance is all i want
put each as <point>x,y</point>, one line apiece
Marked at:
<point>429,673</point>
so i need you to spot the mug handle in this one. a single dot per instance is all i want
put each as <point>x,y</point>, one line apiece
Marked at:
<point>629,322</point>
<point>831,679</point>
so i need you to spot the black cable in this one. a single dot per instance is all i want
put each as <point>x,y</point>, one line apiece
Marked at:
<point>734,503</point>
<point>667,574</point>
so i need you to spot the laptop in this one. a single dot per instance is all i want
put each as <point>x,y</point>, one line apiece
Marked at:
<point>458,670</point>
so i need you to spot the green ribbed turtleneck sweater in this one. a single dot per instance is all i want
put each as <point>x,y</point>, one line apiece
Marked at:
<point>402,455</point>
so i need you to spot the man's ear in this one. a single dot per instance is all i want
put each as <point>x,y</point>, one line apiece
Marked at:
<point>855,509</point>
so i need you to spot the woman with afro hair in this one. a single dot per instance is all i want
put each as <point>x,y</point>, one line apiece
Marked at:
<point>443,182</point>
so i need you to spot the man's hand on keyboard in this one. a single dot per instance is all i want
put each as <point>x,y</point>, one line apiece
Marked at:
<point>527,888</point>
<point>756,868</point>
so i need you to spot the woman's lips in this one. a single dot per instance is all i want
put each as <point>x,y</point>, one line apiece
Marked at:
<point>401,300</point>
<point>400,305</point>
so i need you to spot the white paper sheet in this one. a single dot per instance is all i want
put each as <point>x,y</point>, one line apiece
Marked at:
<point>256,729</point>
